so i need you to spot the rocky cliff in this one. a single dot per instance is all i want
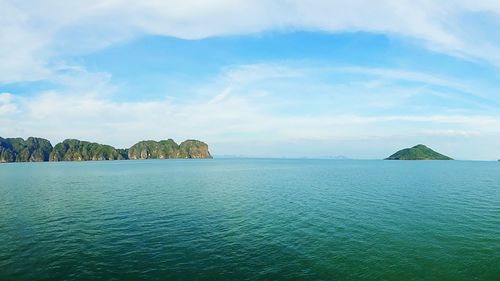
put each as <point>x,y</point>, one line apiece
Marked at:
<point>20,150</point>
<point>150,149</point>
<point>194,149</point>
<point>168,149</point>
<point>37,150</point>
<point>76,150</point>
<point>6,151</point>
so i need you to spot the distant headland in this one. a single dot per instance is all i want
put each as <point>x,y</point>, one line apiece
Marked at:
<point>41,150</point>
<point>418,152</point>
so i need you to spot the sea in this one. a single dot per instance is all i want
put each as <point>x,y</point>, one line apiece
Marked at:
<point>250,219</point>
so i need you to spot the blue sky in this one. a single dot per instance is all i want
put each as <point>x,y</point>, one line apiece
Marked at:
<point>256,78</point>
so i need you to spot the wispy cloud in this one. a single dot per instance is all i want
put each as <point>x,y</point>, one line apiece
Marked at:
<point>228,111</point>
<point>267,103</point>
<point>35,33</point>
<point>7,105</point>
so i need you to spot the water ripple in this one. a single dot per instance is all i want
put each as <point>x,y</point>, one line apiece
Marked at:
<point>250,220</point>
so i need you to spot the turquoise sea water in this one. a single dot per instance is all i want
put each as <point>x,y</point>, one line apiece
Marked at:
<point>250,219</point>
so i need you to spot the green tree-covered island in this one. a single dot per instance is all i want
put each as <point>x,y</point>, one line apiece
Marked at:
<point>40,150</point>
<point>418,152</point>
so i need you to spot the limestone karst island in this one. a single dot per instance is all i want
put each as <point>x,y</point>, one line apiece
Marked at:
<point>40,150</point>
<point>418,152</point>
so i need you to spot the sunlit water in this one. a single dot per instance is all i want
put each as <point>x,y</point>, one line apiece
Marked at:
<point>250,219</point>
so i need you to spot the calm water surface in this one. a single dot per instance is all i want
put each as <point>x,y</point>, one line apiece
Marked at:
<point>250,219</point>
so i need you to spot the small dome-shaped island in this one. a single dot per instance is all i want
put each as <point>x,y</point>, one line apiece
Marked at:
<point>418,152</point>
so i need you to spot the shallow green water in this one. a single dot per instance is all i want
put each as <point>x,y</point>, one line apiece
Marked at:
<point>249,219</point>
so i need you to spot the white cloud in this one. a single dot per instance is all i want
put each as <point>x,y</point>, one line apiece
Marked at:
<point>257,72</point>
<point>235,118</point>
<point>225,93</point>
<point>7,105</point>
<point>34,33</point>
<point>245,108</point>
<point>452,133</point>
<point>225,124</point>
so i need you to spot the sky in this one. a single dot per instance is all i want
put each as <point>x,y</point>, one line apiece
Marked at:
<point>283,78</point>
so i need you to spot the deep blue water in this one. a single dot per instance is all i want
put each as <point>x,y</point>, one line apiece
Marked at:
<point>250,219</point>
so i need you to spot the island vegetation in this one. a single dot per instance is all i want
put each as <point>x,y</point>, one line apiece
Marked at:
<point>20,150</point>
<point>40,150</point>
<point>76,150</point>
<point>168,149</point>
<point>418,152</point>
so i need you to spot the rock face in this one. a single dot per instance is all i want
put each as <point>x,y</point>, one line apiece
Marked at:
<point>20,150</point>
<point>76,150</point>
<point>123,153</point>
<point>194,149</point>
<point>168,149</point>
<point>418,152</point>
<point>38,150</point>
<point>7,153</point>
<point>150,149</point>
